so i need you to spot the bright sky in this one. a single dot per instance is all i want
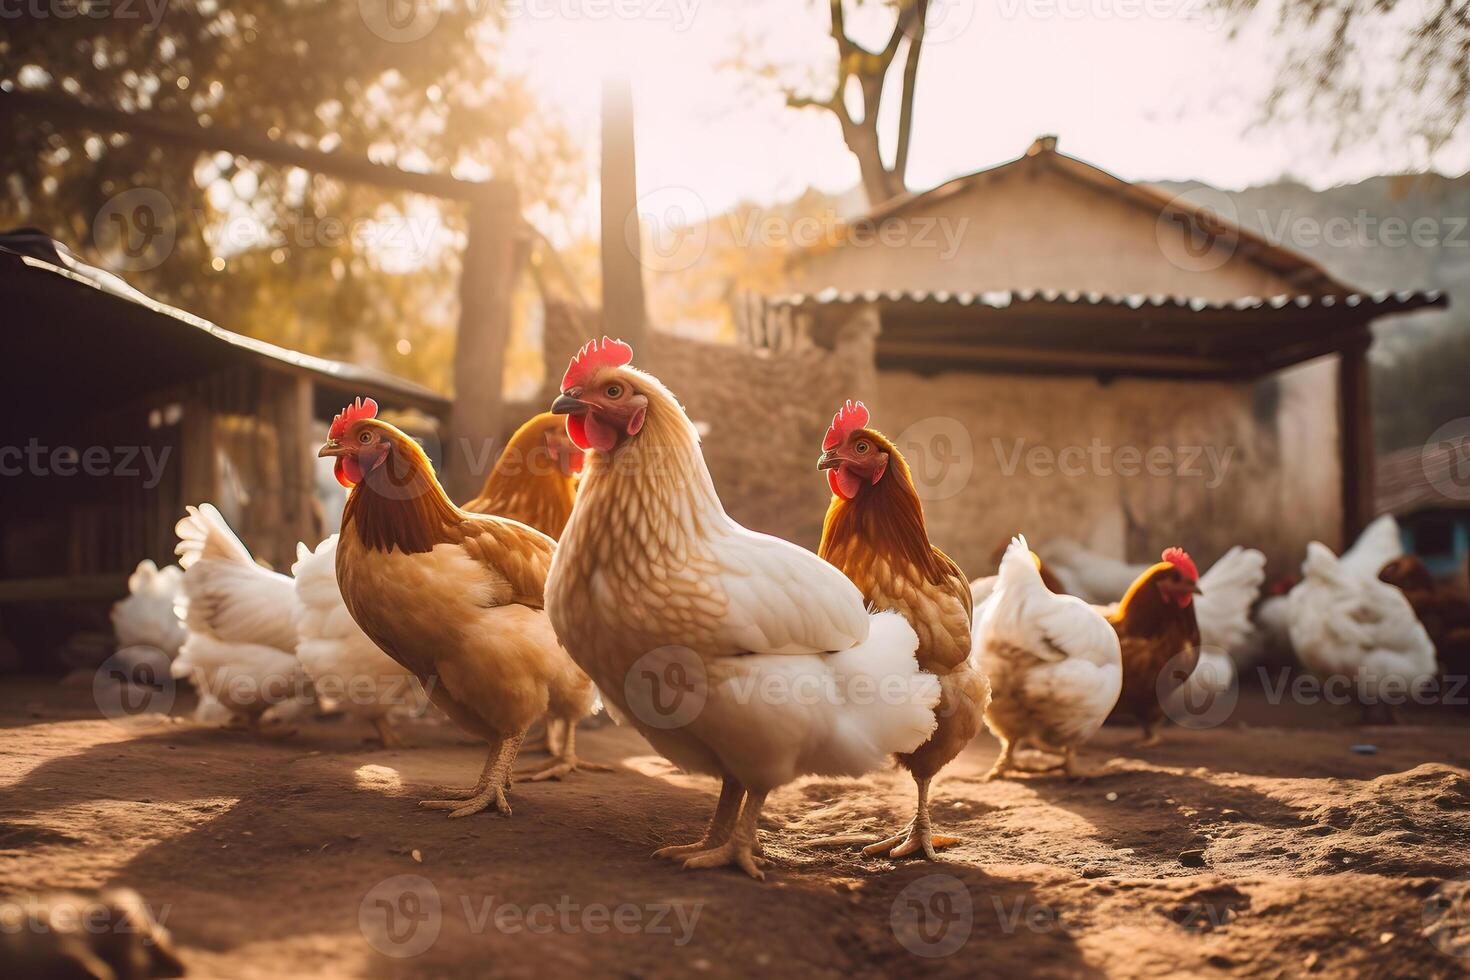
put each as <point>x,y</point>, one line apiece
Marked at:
<point>1148,89</point>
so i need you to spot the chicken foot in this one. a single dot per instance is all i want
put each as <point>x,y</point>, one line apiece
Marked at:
<point>387,735</point>
<point>491,789</point>
<point>917,836</point>
<point>566,761</point>
<point>721,825</point>
<point>740,847</point>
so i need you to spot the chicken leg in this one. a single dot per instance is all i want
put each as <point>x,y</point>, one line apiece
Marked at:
<point>490,790</point>
<point>917,836</point>
<point>721,825</point>
<point>566,762</point>
<point>386,733</point>
<point>739,849</point>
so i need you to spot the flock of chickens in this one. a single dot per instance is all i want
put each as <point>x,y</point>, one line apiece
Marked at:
<point>598,566</point>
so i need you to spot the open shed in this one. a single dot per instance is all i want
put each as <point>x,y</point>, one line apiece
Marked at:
<point>118,410</point>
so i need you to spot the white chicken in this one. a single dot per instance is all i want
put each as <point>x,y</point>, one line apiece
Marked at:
<point>343,663</point>
<point>241,646</point>
<point>146,618</point>
<point>656,591</point>
<point>1053,662</point>
<point>1378,544</point>
<point>1346,625</point>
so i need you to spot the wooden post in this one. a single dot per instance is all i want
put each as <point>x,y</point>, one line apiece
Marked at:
<point>493,254</point>
<point>623,312</point>
<point>289,410</point>
<point>1355,431</point>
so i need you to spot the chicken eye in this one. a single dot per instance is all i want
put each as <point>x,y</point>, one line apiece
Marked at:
<point>862,447</point>
<point>365,438</point>
<point>613,391</point>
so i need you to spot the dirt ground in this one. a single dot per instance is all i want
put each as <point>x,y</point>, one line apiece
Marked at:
<point>306,855</point>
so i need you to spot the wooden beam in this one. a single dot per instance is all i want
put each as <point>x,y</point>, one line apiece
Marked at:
<point>623,310</point>
<point>1355,431</point>
<point>494,253</point>
<point>289,407</point>
<point>188,134</point>
<point>1055,359</point>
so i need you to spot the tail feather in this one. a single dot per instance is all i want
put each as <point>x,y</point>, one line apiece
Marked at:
<point>203,533</point>
<point>1229,589</point>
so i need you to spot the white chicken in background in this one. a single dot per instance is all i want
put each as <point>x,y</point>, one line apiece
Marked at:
<point>1378,544</point>
<point>1346,624</point>
<point>241,645</point>
<point>146,618</point>
<point>1054,663</point>
<point>652,580</point>
<point>344,665</point>
<point>1086,574</point>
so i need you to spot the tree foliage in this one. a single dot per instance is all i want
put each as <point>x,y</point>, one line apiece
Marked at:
<point>1372,69</point>
<point>300,259</point>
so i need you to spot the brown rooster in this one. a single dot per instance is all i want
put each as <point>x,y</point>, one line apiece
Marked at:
<point>1445,612</point>
<point>875,533</point>
<point>1157,629</point>
<point>454,597</point>
<point>534,480</point>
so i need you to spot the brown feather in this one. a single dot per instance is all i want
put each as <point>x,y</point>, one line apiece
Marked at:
<point>526,484</point>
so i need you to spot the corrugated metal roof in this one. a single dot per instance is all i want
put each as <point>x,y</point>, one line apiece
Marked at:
<point>340,371</point>
<point>1382,301</point>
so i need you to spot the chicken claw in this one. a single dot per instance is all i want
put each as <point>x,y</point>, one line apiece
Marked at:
<point>917,836</point>
<point>721,825</point>
<point>490,790</point>
<point>565,763</point>
<point>739,850</point>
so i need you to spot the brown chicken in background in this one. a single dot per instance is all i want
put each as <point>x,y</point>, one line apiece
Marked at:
<point>456,598</point>
<point>1157,630</point>
<point>1444,611</point>
<point>875,533</point>
<point>535,479</point>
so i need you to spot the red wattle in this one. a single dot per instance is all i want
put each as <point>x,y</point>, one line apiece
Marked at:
<point>578,431</point>
<point>347,471</point>
<point>600,436</point>
<point>843,483</point>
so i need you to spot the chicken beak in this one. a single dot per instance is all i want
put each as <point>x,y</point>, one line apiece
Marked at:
<point>567,405</point>
<point>1194,587</point>
<point>331,448</point>
<point>829,460</point>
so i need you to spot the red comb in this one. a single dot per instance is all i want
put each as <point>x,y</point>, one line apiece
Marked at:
<point>851,416</point>
<point>1180,559</point>
<point>361,408</point>
<point>592,357</point>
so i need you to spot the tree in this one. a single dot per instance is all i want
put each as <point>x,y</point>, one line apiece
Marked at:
<point>1374,69</point>
<point>329,267</point>
<point>855,90</point>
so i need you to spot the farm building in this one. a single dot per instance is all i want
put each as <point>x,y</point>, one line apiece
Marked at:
<point>1428,489</point>
<point>1079,356</point>
<point>175,409</point>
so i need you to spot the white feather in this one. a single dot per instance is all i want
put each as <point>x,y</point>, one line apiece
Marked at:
<point>1227,592</point>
